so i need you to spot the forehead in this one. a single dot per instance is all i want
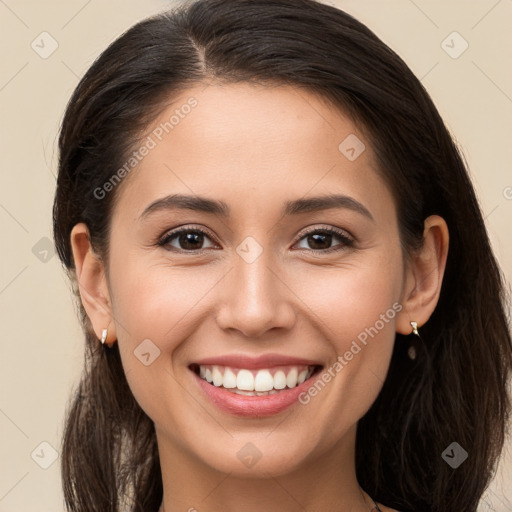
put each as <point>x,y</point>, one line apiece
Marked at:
<point>247,144</point>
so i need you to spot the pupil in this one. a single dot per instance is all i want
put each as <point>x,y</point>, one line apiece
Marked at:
<point>190,238</point>
<point>315,239</point>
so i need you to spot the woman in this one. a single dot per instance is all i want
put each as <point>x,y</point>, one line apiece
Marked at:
<point>236,360</point>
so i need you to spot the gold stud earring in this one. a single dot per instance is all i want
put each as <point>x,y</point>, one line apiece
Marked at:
<point>411,351</point>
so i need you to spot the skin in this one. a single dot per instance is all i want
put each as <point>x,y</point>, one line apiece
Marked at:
<point>254,148</point>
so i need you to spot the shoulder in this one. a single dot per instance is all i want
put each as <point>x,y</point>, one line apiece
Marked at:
<point>386,509</point>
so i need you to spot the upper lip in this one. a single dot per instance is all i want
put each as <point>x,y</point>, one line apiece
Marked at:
<point>261,361</point>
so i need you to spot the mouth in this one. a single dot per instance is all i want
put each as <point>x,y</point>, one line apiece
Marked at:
<point>255,382</point>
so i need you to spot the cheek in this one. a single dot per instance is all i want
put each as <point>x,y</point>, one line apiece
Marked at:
<point>156,308</point>
<point>355,307</point>
<point>352,298</point>
<point>156,300</point>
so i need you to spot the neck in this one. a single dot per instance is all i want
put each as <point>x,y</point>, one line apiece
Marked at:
<point>326,483</point>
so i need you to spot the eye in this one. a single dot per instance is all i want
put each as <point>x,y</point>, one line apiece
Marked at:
<point>321,239</point>
<point>188,239</point>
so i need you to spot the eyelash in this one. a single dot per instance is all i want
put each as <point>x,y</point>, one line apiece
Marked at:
<point>346,240</point>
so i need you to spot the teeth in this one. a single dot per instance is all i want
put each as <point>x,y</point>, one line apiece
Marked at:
<point>253,393</point>
<point>229,379</point>
<point>291,378</point>
<point>217,376</point>
<point>245,380</point>
<point>263,381</point>
<point>279,380</point>
<point>302,377</point>
<point>255,382</point>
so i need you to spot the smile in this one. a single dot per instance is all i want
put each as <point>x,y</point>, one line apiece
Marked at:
<point>251,382</point>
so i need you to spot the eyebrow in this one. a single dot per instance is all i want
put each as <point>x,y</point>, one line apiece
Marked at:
<point>206,205</point>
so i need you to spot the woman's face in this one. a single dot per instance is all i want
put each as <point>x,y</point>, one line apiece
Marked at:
<point>256,283</point>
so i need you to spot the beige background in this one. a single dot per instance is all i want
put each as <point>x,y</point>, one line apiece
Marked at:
<point>41,350</point>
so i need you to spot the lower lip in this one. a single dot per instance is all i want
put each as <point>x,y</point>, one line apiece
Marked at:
<point>252,406</point>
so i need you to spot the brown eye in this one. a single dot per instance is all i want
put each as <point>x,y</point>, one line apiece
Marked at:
<point>321,239</point>
<point>188,240</point>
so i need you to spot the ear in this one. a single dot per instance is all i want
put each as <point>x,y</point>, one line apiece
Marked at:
<point>92,282</point>
<point>424,276</point>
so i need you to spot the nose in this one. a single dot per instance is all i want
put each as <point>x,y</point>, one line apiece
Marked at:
<point>255,298</point>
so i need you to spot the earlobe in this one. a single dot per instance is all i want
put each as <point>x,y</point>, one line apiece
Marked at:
<point>424,276</point>
<point>92,282</point>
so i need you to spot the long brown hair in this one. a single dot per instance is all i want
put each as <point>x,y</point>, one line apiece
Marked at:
<point>455,389</point>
